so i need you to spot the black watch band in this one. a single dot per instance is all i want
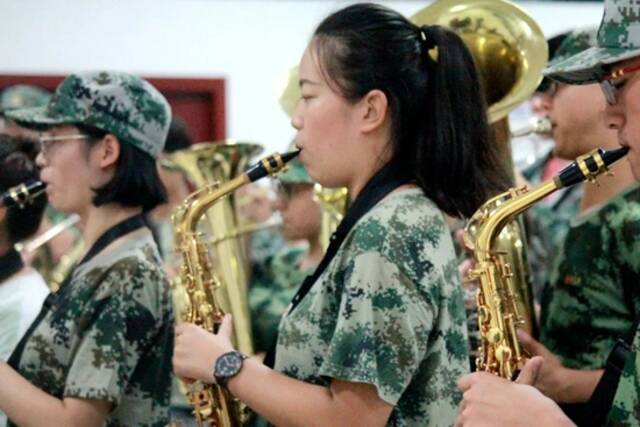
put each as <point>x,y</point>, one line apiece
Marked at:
<point>227,366</point>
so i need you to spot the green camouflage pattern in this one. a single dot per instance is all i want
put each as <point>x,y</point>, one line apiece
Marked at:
<point>592,298</point>
<point>273,285</point>
<point>575,42</point>
<point>118,103</point>
<point>23,96</point>
<point>625,410</point>
<point>295,173</point>
<point>618,39</point>
<point>110,335</point>
<point>388,311</point>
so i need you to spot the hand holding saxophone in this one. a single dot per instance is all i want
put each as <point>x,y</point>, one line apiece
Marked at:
<point>195,348</point>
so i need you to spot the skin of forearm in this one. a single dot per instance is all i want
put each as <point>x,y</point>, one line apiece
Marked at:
<point>288,402</point>
<point>28,406</point>
<point>577,386</point>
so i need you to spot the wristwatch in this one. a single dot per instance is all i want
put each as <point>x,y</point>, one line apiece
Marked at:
<point>227,366</point>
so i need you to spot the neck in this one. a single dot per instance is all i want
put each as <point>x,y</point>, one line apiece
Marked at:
<point>609,186</point>
<point>99,219</point>
<point>314,255</point>
<point>5,247</point>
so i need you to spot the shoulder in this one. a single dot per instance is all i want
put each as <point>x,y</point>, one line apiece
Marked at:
<point>406,217</point>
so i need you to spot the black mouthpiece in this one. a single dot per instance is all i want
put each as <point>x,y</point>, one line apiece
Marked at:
<point>270,165</point>
<point>589,166</point>
<point>22,194</point>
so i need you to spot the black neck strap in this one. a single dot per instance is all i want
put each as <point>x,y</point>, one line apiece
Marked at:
<point>120,229</point>
<point>380,185</point>
<point>10,264</point>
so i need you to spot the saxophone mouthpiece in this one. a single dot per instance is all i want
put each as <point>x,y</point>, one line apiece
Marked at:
<point>589,166</point>
<point>270,165</point>
<point>22,194</point>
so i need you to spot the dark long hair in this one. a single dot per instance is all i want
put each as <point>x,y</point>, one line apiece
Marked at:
<point>439,120</point>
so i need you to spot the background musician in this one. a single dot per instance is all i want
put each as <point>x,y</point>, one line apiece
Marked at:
<point>614,62</point>
<point>394,112</point>
<point>22,289</point>
<point>95,354</point>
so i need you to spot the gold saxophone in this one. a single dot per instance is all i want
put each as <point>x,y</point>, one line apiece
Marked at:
<point>497,297</point>
<point>212,404</point>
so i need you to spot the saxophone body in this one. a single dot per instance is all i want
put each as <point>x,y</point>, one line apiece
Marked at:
<point>213,405</point>
<point>499,310</point>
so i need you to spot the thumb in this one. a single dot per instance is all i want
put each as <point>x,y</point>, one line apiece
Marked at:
<point>226,327</point>
<point>530,371</point>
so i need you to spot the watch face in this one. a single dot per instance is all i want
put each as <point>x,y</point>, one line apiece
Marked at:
<point>228,364</point>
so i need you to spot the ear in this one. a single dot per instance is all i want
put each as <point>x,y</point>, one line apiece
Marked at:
<point>109,151</point>
<point>374,110</point>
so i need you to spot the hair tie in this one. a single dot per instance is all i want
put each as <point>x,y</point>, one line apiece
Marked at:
<point>428,43</point>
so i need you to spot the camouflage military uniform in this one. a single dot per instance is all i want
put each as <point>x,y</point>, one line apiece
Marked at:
<point>586,296</point>
<point>109,336</point>
<point>388,311</point>
<point>626,402</point>
<point>274,284</point>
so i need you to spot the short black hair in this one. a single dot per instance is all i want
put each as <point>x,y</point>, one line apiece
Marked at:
<point>178,137</point>
<point>136,182</point>
<point>17,166</point>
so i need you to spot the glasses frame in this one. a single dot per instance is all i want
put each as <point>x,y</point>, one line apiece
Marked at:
<point>45,143</point>
<point>610,83</point>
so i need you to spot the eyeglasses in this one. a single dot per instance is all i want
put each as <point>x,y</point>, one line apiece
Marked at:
<point>613,82</point>
<point>46,143</point>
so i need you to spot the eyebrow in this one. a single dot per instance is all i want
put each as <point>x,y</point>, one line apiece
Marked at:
<point>302,82</point>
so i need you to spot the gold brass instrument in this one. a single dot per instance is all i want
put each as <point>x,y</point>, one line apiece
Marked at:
<point>537,126</point>
<point>211,403</point>
<point>498,310</point>
<point>204,164</point>
<point>334,202</point>
<point>510,52</point>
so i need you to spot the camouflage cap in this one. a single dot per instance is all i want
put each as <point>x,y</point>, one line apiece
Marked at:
<point>574,42</point>
<point>294,172</point>
<point>618,39</point>
<point>23,96</point>
<point>118,103</point>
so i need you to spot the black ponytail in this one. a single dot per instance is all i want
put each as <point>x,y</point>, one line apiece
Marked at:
<point>439,120</point>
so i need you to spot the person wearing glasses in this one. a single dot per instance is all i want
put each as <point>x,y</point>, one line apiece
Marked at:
<point>275,281</point>
<point>614,63</point>
<point>99,351</point>
<point>592,290</point>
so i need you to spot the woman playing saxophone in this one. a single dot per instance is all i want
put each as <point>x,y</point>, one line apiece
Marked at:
<point>377,335</point>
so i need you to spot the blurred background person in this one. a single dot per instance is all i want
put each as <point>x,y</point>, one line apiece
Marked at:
<point>22,289</point>
<point>275,281</point>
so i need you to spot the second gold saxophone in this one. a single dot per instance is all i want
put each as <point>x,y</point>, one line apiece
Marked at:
<point>498,313</point>
<point>213,405</point>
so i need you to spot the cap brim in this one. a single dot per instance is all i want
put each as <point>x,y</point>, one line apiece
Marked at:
<point>36,117</point>
<point>588,66</point>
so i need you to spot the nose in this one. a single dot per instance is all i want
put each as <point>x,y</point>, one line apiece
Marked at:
<point>542,104</point>
<point>614,116</point>
<point>296,117</point>
<point>40,160</point>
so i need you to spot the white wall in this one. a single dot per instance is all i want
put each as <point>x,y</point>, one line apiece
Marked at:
<point>252,43</point>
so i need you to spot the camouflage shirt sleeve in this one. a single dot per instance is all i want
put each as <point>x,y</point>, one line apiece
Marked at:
<point>382,328</point>
<point>117,326</point>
